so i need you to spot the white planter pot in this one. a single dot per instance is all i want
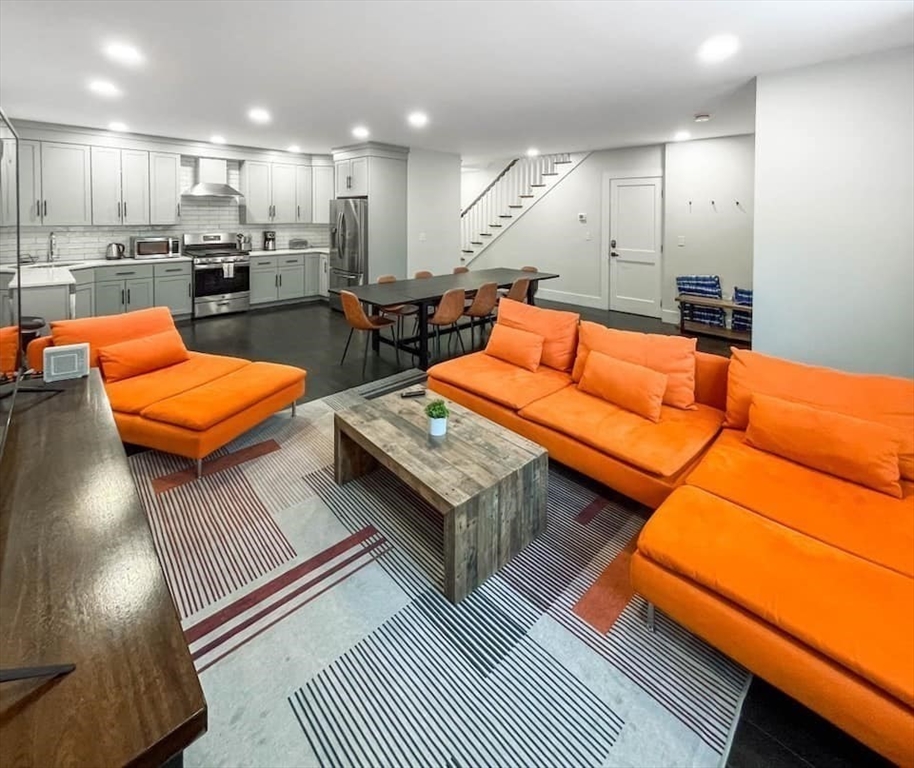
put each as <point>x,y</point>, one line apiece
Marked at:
<point>437,427</point>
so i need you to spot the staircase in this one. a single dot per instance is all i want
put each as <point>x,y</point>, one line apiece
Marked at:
<point>523,182</point>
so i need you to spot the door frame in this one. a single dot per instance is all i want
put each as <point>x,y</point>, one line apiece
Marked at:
<point>606,228</point>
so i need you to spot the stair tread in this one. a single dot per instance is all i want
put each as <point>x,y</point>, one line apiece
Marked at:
<point>485,234</point>
<point>506,215</point>
<point>464,250</point>
<point>527,195</point>
<point>476,242</point>
<point>552,173</point>
<point>495,225</point>
<point>561,162</point>
<point>515,206</point>
<point>536,185</point>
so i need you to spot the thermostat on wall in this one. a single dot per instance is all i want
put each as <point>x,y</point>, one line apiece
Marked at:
<point>70,361</point>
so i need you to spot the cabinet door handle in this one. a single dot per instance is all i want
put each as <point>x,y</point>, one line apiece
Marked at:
<point>45,213</point>
<point>291,261</point>
<point>173,269</point>
<point>125,211</point>
<point>122,297</point>
<point>38,208</point>
<point>118,274</point>
<point>188,290</point>
<point>280,280</point>
<point>276,281</point>
<point>128,295</point>
<point>179,210</point>
<point>118,211</point>
<point>298,212</point>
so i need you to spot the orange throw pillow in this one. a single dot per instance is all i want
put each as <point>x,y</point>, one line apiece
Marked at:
<point>632,387</point>
<point>521,348</point>
<point>559,330</point>
<point>139,356</point>
<point>671,355</point>
<point>887,400</point>
<point>861,451</point>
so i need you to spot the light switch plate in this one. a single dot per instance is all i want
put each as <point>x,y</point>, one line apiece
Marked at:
<point>680,241</point>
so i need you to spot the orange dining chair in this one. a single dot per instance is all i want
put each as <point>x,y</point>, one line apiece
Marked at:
<point>359,321</point>
<point>481,308</point>
<point>517,291</point>
<point>397,311</point>
<point>423,273</point>
<point>449,311</point>
<point>504,291</point>
<point>461,270</point>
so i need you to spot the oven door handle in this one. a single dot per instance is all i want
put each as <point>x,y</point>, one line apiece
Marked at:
<point>209,267</point>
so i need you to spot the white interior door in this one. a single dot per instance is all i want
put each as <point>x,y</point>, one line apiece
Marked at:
<point>635,230</point>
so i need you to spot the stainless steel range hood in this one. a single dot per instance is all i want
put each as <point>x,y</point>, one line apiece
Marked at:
<point>212,178</point>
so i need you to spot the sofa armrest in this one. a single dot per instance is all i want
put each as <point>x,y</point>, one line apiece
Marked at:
<point>35,351</point>
<point>711,380</point>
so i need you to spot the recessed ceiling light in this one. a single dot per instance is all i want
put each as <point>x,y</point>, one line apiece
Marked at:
<point>702,117</point>
<point>293,148</point>
<point>532,152</point>
<point>104,88</point>
<point>117,125</point>
<point>217,139</point>
<point>418,119</point>
<point>681,135</point>
<point>361,132</point>
<point>718,48</point>
<point>124,54</point>
<point>259,115</point>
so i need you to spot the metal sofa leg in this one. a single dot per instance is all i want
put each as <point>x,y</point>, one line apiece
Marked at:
<point>293,407</point>
<point>650,617</point>
<point>199,468</point>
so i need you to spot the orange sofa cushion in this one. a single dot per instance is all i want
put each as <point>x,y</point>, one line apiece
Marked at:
<point>856,612</point>
<point>559,330</point>
<point>205,406</point>
<point>863,522</point>
<point>861,451</point>
<point>672,355</point>
<point>885,399</point>
<point>633,387</point>
<point>9,348</point>
<point>104,331</point>
<point>662,449</point>
<point>521,348</point>
<point>138,356</point>
<point>135,394</point>
<point>499,381</point>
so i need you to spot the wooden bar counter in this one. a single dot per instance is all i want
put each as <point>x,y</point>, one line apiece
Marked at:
<point>80,583</point>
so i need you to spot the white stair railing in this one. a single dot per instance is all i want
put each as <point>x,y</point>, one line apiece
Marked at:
<point>518,187</point>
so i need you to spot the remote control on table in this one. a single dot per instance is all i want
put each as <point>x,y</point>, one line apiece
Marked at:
<point>414,392</point>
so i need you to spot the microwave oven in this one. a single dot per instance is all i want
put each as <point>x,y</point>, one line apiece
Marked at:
<point>154,247</point>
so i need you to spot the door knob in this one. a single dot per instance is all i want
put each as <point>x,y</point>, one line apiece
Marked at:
<point>613,255</point>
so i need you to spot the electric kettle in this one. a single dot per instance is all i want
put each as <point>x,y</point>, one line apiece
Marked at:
<point>115,251</point>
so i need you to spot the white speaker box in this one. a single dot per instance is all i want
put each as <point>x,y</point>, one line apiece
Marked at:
<point>71,361</point>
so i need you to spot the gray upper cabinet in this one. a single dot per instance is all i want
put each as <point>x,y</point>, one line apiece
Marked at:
<point>66,193</point>
<point>258,196</point>
<point>120,186</point>
<point>271,192</point>
<point>164,188</point>
<point>29,184</point>
<point>352,177</point>
<point>282,186</point>
<point>321,193</point>
<point>303,193</point>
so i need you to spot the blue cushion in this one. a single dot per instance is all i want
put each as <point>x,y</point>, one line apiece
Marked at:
<point>701,285</point>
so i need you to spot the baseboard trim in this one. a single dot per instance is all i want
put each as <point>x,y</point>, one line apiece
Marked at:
<point>670,316</point>
<point>566,297</point>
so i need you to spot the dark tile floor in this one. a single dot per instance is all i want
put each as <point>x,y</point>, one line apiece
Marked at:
<point>774,730</point>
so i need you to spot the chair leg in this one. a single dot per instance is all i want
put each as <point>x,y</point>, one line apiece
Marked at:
<point>393,332</point>
<point>346,348</point>
<point>460,337</point>
<point>365,353</point>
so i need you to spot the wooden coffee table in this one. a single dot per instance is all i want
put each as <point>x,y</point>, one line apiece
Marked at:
<point>488,483</point>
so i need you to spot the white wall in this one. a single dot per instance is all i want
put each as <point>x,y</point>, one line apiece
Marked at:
<point>717,238</point>
<point>433,211</point>
<point>834,198</point>
<point>475,178</point>
<point>549,236</point>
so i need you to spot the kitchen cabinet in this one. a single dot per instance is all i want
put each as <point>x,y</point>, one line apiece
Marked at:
<point>29,182</point>
<point>164,188</point>
<point>321,193</point>
<point>123,289</point>
<point>6,305</point>
<point>85,300</point>
<point>312,274</point>
<point>291,282</point>
<point>352,177</point>
<point>173,287</point>
<point>271,192</point>
<point>66,191</point>
<point>303,194</point>
<point>278,278</point>
<point>120,186</point>
<point>324,282</point>
<point>263,279</point>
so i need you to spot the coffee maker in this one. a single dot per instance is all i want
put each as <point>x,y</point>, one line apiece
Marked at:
<point>269,240</point>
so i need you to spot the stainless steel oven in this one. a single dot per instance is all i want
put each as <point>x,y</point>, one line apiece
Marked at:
<point>222,274</point>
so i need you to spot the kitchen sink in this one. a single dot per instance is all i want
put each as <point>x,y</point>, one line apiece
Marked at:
<point>52,264</point>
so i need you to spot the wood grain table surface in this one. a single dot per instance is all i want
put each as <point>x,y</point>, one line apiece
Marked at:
<point>80,582</point>
<point>488,483</point>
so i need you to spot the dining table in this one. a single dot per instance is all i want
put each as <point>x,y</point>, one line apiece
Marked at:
<point>426,292</point>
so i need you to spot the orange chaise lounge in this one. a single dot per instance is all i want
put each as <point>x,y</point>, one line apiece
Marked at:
<point>166,397</point>
<point>553,393</point>
<point>791,545</point>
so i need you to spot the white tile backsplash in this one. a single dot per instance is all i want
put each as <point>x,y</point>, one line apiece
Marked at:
<point>197,215</point>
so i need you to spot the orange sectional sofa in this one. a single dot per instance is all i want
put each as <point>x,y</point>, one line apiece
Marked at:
<point>798,566</point>
<point>166,397</point>
<point>642,459</point>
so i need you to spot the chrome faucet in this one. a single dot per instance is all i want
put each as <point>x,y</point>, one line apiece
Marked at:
<point>52,248</point>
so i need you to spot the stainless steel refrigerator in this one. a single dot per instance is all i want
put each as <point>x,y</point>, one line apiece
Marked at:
<point>348,245</point>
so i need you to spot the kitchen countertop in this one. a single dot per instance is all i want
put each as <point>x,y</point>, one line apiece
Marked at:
<point>41,274</point>
<point>43,277</point>
<point>288,251</point>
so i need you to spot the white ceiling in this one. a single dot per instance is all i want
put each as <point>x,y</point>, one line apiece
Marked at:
<point>495,77</point>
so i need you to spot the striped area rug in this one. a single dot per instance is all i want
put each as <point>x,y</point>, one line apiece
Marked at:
<point>315,618</point>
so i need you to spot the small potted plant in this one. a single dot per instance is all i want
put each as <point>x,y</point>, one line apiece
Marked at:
<point>437,418</point>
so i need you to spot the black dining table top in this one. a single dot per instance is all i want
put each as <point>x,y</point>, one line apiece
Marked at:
<point>432,288</point>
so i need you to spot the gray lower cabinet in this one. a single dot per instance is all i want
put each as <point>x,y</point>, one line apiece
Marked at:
<point>312,275</point>
<point>85,300</point>
<point>123,289</point>
<point>264,283</point>
<point>109,297</point>
<point>139,294</point>
<point>173,287</point>
<point>291,282</point>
